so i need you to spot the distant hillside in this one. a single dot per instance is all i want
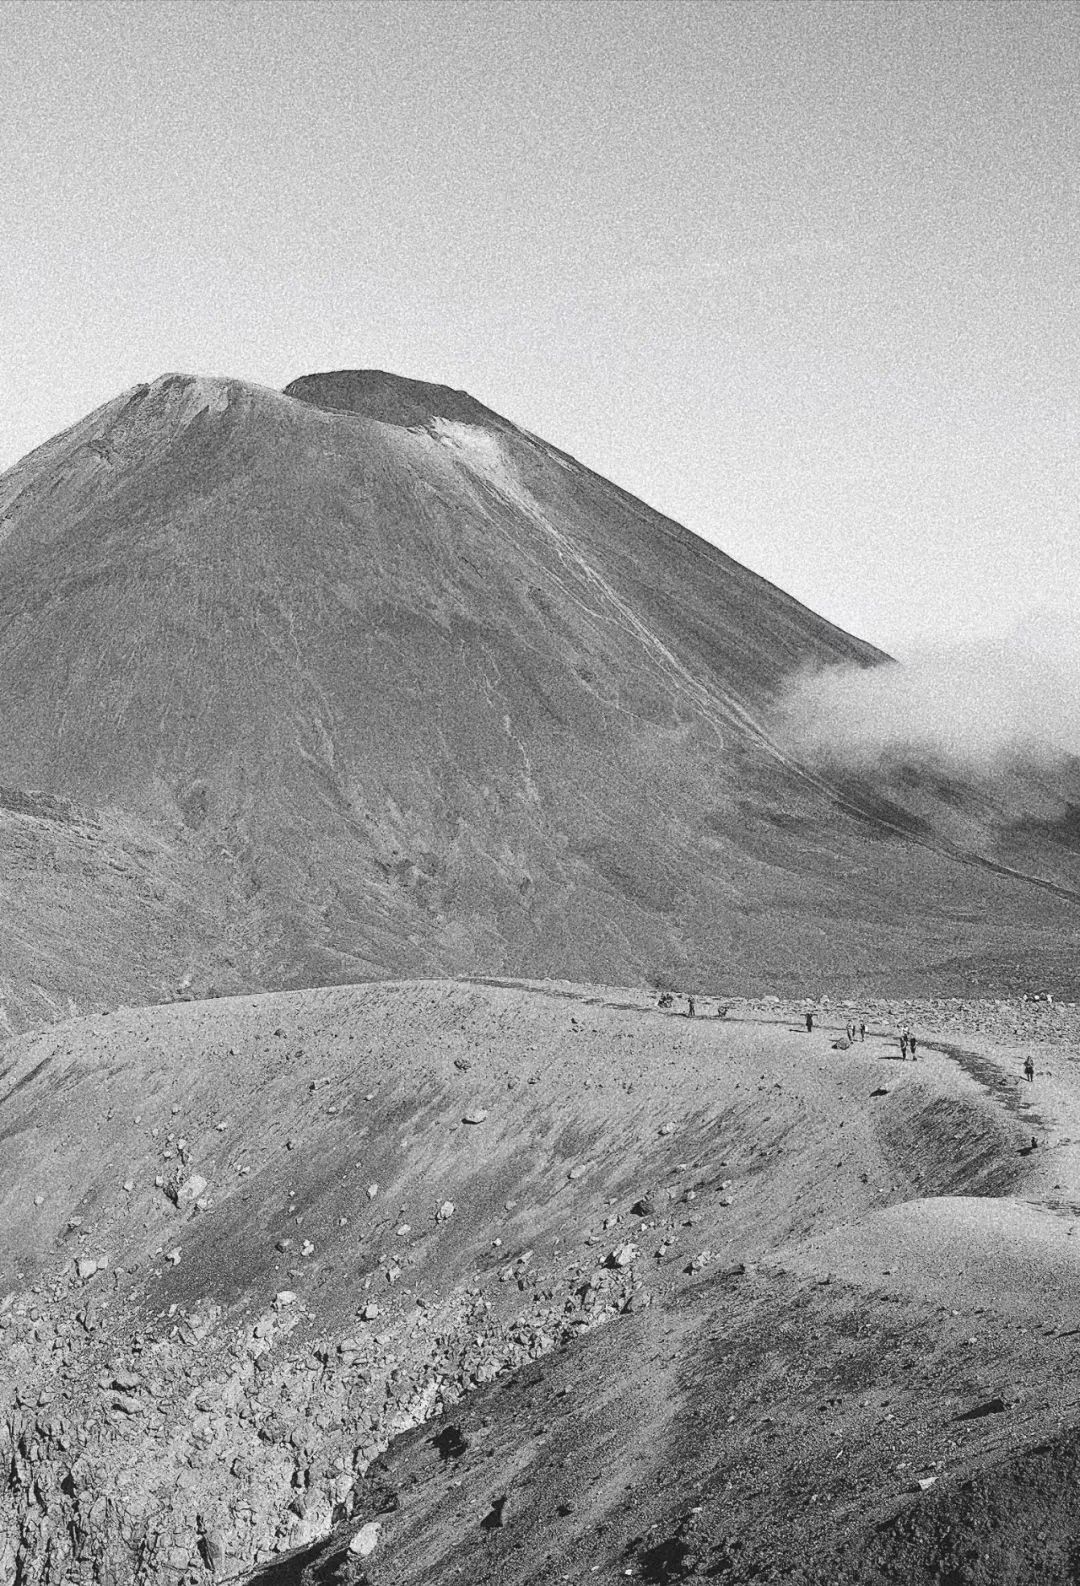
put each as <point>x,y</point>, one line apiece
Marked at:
<point>361,679</point>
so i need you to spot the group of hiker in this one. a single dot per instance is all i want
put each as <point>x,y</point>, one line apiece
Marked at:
<point>853,1031</point>
<point>909,1041</point>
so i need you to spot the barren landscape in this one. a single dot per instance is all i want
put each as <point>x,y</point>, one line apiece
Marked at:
<point>378,785</point>
<point>361,679</point>
<point>539,1283</point>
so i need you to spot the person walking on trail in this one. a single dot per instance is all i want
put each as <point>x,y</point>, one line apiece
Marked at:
<point>690,1001</point>
<point>862,1029</point>
<point>903,1046</point>
<point>1029,1069</point>
<point>809,1023</point>
<point>912,1047</point>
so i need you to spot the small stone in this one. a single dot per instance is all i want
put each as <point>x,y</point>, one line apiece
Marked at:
<point>173,1256</point>
<point>129,1185</point>
<point>477,1116</point>
<point>282,1298</point>
<point>369,1312</point>
<point>85,1267</point>
<point>445,1212</point>
<point>39,1200</point>
<point>372,1191</point>
<point>667,1128</point>
<point>578,1172</point>
<point>622,1255</point>
<point>366,1540</point>
<point>191,1190</point>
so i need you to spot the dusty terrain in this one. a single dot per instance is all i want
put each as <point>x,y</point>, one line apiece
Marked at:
<point>360,679</point>
<point>532,1283</point>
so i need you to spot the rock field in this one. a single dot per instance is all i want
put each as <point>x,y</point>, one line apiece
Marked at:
<point>445,1281</point>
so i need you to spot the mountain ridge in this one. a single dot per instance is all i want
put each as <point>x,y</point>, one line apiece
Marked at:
<point>399,688</point>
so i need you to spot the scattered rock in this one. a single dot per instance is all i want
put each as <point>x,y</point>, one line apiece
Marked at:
<point>191,1190</point>
<point>477,1116</point>
<point>366,1540</point>
<point>495,1519</point>
<point>126,1404</point>
<point>622,1255</point>
<point>445,1212</point>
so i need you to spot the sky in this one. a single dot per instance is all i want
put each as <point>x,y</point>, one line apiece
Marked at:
<point>802,276</point>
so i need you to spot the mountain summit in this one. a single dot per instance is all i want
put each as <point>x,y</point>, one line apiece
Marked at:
<point>362,679</point>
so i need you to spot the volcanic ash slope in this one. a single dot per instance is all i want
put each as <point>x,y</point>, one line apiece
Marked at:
<point>361,679</point>
<point>277,1269</point>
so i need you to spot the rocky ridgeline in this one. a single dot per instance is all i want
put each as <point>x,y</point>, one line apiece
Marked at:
<point>210,1449</point>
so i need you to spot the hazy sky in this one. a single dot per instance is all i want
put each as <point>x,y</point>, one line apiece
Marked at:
<point>804,276</point>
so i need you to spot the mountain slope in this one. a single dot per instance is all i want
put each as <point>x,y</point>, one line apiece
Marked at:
<point>638,1282</point>
<point>389,685</point>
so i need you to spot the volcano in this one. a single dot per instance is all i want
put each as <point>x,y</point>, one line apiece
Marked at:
<point>361,679</point>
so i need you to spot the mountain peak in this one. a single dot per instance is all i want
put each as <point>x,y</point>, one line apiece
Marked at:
<point>390,398</point>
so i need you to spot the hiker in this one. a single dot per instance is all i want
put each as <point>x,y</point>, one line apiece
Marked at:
<point>809,1023</point>
<point>1029,1069</point>
<point>911,1045</point>
<point>862,1029</point>
<point>903,1046</point>
<point>690,1000</point>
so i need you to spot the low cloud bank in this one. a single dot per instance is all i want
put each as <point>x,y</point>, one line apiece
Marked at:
<point>977,708</point>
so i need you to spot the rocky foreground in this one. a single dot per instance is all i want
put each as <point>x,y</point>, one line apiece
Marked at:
<point>451,1282</point>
